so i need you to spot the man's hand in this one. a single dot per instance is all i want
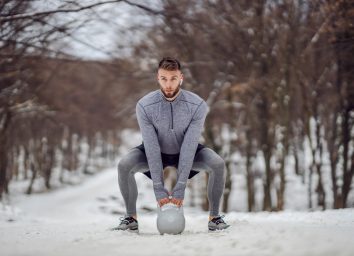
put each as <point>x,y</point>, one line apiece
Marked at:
<point>167,200</point>
<point>177,202</point>
<point>163,201</point>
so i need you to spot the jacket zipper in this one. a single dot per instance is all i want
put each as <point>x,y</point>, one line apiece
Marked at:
<point>171,115</point>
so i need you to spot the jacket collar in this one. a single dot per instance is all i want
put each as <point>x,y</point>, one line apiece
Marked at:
<point>179,96</point>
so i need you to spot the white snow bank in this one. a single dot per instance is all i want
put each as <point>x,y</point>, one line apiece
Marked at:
<point>76,221</point>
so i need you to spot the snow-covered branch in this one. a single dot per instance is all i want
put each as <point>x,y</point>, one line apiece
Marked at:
<point>30,107</point>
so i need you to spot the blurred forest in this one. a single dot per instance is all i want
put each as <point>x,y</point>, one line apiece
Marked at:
<point>277,76</point>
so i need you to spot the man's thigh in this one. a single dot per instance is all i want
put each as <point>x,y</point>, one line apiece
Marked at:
<point>204,159</point>
<point>136,160</point>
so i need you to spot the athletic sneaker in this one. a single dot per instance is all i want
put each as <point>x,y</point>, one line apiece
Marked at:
<point>217,223</point>
<point>127,223</point>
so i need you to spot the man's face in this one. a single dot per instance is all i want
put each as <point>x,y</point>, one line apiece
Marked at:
<point>169,82</point>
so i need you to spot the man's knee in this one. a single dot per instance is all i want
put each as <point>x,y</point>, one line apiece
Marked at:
<point>130,160</point>
<point>214,160</point>
<point>124,164</point>
<point>218,164</point>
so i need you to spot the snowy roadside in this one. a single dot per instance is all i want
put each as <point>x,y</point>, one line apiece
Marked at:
<point>76,221</point>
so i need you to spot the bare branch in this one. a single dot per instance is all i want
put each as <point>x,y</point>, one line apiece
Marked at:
<point>145,8</point>
<point>7,18</point>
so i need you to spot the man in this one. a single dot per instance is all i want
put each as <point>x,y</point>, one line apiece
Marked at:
<point>171,120</point>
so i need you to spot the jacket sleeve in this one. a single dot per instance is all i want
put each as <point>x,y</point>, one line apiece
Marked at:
<point>153,152</point>
<point>188,149</point>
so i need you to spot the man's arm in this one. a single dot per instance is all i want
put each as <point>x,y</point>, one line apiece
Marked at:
<point>153,151</point>
<point>188,149</point>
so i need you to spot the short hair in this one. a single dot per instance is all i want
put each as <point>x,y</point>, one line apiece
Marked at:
<point>170,64</point>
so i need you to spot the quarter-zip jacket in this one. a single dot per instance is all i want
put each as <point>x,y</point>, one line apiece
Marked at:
<point>171,127</point>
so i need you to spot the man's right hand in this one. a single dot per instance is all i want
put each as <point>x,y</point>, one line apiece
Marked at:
<point>163,201</point>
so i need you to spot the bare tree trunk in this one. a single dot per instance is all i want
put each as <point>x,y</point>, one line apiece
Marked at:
<point>320,189</point>
<point>34,169</point>
<point>334,157</point>
<point>5,119</point>
<point>26,160</point>
<point>267,151</point>
<point>250,175</point>
<point>347,171</point>
<point>309,189</point>
<point>311,168</point>
<point>281,189</point>
<point>88,157</point>
<point>48,166</point>
<point>267,200</point>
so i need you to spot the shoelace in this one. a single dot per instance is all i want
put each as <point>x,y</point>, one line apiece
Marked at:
<point>218,219</point>
<point>126,220</point>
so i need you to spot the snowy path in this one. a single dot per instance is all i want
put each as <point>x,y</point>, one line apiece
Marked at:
<point>74,221</point>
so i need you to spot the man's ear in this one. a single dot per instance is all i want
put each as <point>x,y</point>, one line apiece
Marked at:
<point>181,81</point>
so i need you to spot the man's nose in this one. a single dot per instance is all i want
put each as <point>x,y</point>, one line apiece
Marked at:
<point>169,84</point>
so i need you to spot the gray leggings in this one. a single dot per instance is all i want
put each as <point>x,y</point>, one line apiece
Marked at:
<point>205,160</point>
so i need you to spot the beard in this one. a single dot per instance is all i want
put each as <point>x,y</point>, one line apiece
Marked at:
<point>170,94</point>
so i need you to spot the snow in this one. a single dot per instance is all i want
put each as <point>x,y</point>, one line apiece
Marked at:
<point>76,220</point>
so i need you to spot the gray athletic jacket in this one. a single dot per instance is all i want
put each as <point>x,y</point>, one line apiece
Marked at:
<point>171,127</point>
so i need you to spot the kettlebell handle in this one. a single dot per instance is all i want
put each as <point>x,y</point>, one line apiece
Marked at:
<point>177,208</point>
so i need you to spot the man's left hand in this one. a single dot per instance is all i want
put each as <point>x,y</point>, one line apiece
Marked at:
<point>177,202</point>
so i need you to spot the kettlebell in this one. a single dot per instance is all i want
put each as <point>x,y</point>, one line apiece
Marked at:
<point>170,219</point>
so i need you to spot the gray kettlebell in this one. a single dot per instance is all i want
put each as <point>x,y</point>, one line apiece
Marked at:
<point>170,219</point>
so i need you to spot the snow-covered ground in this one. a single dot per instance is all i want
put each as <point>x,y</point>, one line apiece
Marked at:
<point>76,220</point>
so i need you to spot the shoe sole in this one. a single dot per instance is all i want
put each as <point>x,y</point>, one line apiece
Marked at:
<point>133,230</point>
<point>125,229</point>
<point>218,229</point>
